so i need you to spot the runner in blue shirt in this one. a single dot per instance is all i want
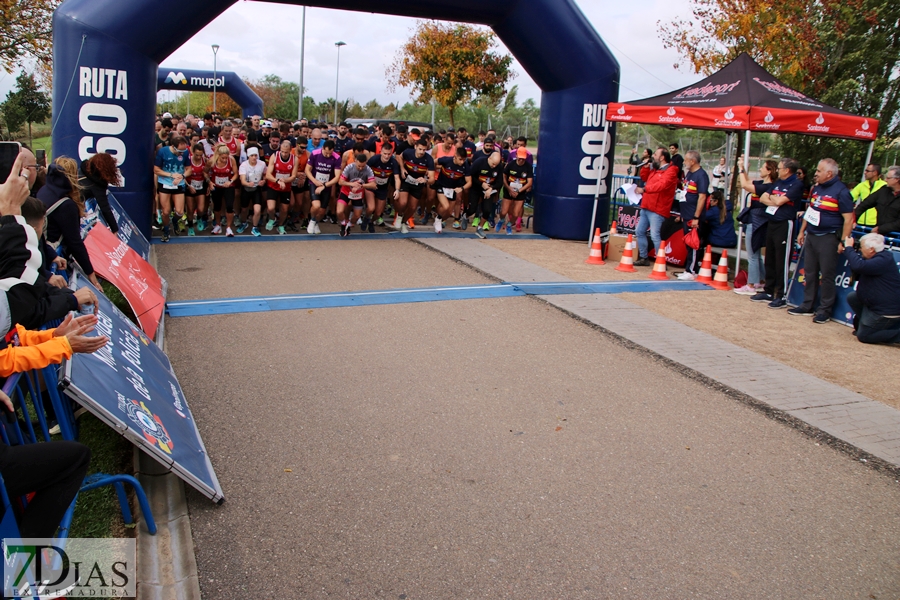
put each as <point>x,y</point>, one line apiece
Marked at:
<point>169,169</point>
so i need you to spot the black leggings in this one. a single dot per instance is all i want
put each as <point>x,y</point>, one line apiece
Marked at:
<point>54,471</point>
<point>481,206</point>
<point>218,194</point>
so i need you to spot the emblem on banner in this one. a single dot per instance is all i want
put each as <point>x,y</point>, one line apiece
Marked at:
<point>150,425</point>
<point>769,117</point>
<point>178,77</point>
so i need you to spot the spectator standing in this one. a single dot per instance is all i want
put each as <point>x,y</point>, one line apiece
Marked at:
<point>755,220</point>
<point>828,220</point>
<point>691,206</point>
<point>871,183</point>
<point>720,174</point>
<point>656,203</point>
<point>876,300</point>
<point>885,201</point>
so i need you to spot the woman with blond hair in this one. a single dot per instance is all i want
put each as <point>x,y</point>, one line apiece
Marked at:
<point>65,207</point>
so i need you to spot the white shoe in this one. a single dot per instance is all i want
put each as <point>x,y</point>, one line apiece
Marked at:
<point>404,228</point>
<point>229,232</point>
<point>217,229</point>
<point>686,276</point>
<point>398,221</point>
<point>438,226</point>
<point>747,290</point>
<point>311,228</point>
<point>318,231</point>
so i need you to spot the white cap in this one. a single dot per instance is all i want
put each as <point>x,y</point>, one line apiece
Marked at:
<point>167,115</point>
<point>253,151</point>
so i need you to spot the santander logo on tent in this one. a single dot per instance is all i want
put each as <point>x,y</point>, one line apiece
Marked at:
<point>768,122</point>
<point>670,118</point>
<point>864,131</point>
<point>819,126</point>
<point>621,110</point>
<point>729,120</point>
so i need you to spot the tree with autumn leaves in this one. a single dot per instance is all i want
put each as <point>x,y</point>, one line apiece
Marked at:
<point>27,34</point>
<point>452,63</point>
<point>845,53</point>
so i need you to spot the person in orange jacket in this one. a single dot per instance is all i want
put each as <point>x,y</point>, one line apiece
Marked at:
<point>39,349</point>
<point>656,203</point>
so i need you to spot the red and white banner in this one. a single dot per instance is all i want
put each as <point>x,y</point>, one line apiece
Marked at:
<point>118,263</point>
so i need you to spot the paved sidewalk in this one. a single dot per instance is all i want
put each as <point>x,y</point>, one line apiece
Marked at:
<point>845,415</point>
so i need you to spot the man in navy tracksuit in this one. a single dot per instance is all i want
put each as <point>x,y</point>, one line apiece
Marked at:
<point>827,221</point>
<point>876,300</point>
<point>781,209</point>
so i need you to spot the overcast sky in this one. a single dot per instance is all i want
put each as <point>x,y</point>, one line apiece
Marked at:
<point>373,39</point>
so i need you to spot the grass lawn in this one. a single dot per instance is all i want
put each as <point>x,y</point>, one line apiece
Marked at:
<point>41,143</point>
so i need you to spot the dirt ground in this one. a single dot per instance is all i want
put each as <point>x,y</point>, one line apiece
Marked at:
<point>828,351</point>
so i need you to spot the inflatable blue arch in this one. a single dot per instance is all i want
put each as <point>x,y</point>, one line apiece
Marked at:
<point>106,58</point>
<point>188,80</point>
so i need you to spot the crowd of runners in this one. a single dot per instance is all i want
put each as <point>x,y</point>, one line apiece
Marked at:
<point>226,176</point>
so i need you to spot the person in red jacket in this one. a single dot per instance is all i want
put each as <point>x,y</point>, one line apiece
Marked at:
<point>656,204</point>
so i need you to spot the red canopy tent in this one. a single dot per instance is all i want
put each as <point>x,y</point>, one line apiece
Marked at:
<point>743,96</point>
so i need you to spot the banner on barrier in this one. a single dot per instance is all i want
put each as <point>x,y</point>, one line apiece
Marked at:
<point>118,263</point>
<point>627,218</point>
<point>128,231</point>
<point>129,384</point>
<point>844,284</point>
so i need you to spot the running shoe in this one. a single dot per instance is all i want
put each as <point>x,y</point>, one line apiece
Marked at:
<point>159,218</point>
<point>456,224</point>
<point>222,221</point>
<point>821,318</point>
<point>349,227</point>
<point>255,232</point>
<point>686,276</point>
<point>344,229</point>
<point>438,225</point>
<point>242,227</point>
<point>778,303</point>
<point>318,231</point>
<point>311,228</point>
<point>404,228</point>
<point>498,226</point>
<point>304,224</point>
<point>398,220</point>
<point>518,225</point>
<point>476,222</point>
<point>165,234</point>
<point>410,223</point>
<point>424,220</point>
<point>371,227</point>
<point>237,220</point>
<point>486,226</point>
<point>191,232</point>
<point>270,224</point>
<point>508,228</point>
<point>281,230</point>
<point>201,224</point>
<point>229,232</point>
<point>480,233</point>
<point>181,225</point>
<point>380,221</point>
<point>217,229</point>
<point>463,222</point>
<point>289,224</point>
<point>762,297</point>
<point>747,290</point>
<point>801,311</point>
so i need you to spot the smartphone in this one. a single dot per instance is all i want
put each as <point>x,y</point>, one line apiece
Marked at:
<point>9,151</point>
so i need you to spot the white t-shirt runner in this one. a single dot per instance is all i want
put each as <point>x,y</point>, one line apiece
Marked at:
<point>253,174</point>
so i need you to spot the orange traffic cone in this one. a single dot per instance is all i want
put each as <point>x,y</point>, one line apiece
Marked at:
<point>720,281</point>
<point>626,264</point>
<point>659,267</point>
<point>705,274</point>
<point>596,255</point>
<point>612,229</point>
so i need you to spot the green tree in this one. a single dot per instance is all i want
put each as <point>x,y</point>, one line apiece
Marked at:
<point>27,103</point>
<point>845,53</point>
<point>453,63</point>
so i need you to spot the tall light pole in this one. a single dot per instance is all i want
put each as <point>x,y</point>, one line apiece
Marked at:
<point>215,48</point>
<point>337,78</point>
<point>302,49</point>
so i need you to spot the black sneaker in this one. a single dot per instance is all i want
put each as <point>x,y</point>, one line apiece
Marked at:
<point>345,230</point>
<point>800,311</point>
<point>165,234</point>
<point>778,303</point>
<point>762,297</point>
<point>821,318</point>
<point>642,262</point>
<point>371,227</point>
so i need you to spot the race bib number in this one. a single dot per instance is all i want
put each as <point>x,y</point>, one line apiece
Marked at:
<point>681,195</point>
<point>197,185</point>
<point>323,177</point>
<point>355,195</point>
<point>772,210</point>
<point>381,180</point>
<point>516,186</point>
<point>812,216</point>
<point>280,176</point>
<point>448,192</point>
<point>412,180</point>
<point>223,181</point>
<point>167,186</point>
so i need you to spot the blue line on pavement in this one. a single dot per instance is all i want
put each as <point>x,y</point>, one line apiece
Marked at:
<point>305,237</point>
<point>222,306</point>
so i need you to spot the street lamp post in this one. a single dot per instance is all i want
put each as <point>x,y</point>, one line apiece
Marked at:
<point>215,48</point>
<point>302,49</point>
<point>337,78</point>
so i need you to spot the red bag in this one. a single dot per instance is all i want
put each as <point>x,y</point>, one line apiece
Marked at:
<point>692,239</point>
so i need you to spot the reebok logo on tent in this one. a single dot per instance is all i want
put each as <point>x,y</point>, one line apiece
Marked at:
<point>178,77</point>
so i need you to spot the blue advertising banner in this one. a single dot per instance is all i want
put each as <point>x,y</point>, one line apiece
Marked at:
<point>129,384</point>
<point>842,313</point>
<point>128,231</point>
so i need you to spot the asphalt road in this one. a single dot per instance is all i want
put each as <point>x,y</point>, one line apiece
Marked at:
<point>498,449</point>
